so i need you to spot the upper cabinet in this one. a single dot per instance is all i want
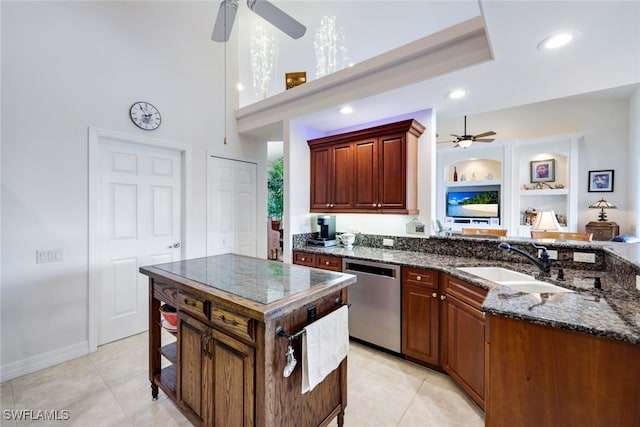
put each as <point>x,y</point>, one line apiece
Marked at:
<point>372,170</point>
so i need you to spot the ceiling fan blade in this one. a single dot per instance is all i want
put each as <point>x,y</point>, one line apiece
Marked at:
<point>277,17</point>
<point>453,134</point>
<point>484,140</point>
<point>224,22</point>
<point>480,135</point>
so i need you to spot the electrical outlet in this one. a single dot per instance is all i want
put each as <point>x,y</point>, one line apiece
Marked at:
<point>584,257</point>
<point>552,254</point>
<point>637,282</point>
<point>387,242</point>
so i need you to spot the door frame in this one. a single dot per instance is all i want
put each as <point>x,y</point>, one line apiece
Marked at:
<point>94,138</point>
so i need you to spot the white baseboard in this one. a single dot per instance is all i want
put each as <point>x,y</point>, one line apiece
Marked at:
<point>41,361</point>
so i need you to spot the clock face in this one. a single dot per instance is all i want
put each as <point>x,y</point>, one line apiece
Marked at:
<point>145,115</point>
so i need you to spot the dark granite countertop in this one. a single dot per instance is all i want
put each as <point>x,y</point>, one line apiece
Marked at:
<point>262,285</point>
<point>611,312</point>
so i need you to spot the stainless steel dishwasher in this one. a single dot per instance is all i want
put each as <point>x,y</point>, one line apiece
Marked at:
<point>374,315</point>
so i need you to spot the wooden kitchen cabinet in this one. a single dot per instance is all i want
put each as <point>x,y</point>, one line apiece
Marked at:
<point>332,177</point>
<point>420,315</point>
<point>326,262</point>
<point>215,364</point>
<point>365,171</point>
<point>462,336</point>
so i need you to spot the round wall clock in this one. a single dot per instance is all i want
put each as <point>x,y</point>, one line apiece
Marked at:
<point>145,115</point>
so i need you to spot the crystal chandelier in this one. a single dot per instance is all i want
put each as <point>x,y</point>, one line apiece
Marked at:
<point>331,51</point>
<point>264,48</point>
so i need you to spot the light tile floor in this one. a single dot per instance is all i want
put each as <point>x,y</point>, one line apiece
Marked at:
<point>111,388</point>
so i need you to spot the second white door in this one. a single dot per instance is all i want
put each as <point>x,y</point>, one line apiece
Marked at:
<point>231,206</point>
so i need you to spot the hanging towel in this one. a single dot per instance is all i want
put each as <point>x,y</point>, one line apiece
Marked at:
<point>324,344</point>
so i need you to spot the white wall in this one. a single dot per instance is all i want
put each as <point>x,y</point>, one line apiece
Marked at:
<point>605,124</point>
<point>67,66</point>
<point>634,164</point>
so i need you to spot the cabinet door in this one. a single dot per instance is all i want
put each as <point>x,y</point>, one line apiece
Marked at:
<point>192,360</point>
<point>392,173</point>
<point>366,170</point>
<point>320,178</point>
<point>230,382</point>
<point>342,176</point>
<point>420,323</point>
<point>463,342</point>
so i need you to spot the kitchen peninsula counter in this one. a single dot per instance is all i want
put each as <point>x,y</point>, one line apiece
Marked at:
<point>227,363</point>
<point>611,312</point>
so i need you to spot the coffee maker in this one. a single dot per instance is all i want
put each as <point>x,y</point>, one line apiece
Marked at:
<point>327,235</point>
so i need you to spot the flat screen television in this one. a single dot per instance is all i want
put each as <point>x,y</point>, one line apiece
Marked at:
<point>473,204</point>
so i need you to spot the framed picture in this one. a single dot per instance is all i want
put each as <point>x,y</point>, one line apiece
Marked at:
<point>601,181</point>
<point>543,170</point>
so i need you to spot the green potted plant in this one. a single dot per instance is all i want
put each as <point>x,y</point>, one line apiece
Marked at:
<point>275,184</point>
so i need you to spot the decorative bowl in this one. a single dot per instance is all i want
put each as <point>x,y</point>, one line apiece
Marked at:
<point>169,314</point>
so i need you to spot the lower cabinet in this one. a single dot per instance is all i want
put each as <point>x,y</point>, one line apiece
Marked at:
<point>420,315</point>
<point>462,336</point>
<point>326,262</point>
<point>215,375</point>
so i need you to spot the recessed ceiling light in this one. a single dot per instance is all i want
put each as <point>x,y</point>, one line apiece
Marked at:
<point>346,110</point>
<point>558,40</point>
<point>456,94</point>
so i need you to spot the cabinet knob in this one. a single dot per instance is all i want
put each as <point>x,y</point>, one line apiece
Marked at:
<point>331,205</point>
<point>303,259</point>
<point>443,297</point>
<point>435,295</point>
<point>379,205</point>
<point>418,277</point>
<point>374,205</point>
<point>327,262</point>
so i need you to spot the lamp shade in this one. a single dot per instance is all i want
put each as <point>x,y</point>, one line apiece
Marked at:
<point>603,204</point>
<point>546,220</point>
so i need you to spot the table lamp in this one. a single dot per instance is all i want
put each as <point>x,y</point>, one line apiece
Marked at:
<point>546,220</point>
<point>602,204</point>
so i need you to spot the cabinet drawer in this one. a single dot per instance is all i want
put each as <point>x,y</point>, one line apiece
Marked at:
<point>166,293</point>
<point>195,305</point>
<point>328,262</point>
<point>466,292</point>
<point>234,323</point>
<point>303,258</point>
<point>420,277</point>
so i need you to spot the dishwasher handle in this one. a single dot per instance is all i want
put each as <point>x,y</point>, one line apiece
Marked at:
<point>376,270</point>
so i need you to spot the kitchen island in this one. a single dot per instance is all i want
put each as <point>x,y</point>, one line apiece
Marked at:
<point>226,366</point>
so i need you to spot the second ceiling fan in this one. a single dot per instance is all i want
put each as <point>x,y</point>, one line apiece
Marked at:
<point>465,140</point>
<point>267,10</point>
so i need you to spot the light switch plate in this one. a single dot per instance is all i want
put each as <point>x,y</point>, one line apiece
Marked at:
<point>584,257</point>
<point>387,242</point>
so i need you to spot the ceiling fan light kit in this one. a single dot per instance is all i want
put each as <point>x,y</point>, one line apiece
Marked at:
<point>265,9</point>
<point>465,141</point>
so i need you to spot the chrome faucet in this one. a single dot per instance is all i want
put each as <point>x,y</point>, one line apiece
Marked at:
<point>544,264</point>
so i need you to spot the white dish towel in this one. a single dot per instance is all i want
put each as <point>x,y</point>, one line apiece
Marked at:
<point>324,344</point>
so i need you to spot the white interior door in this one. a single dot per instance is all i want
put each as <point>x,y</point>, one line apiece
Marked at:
<point>231,206</point>
<point>139,216</point>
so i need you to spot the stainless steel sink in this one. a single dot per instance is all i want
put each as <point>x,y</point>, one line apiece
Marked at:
<point>517,281</point>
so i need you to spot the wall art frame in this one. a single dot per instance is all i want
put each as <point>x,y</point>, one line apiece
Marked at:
<point>543,170</point>
<point>601,181</point>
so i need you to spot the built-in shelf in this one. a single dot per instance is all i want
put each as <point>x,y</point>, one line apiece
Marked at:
<point>473,183</point>
<point>545,192</point>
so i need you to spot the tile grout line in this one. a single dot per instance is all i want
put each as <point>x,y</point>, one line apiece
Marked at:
<point>406,410</point>
<point>106,383</point>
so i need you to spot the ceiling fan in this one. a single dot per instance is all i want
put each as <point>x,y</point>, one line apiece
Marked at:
<point>465,140</point>
<point>267,10</point>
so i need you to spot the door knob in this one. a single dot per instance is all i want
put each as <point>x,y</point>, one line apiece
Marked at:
<point>176,245</point>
